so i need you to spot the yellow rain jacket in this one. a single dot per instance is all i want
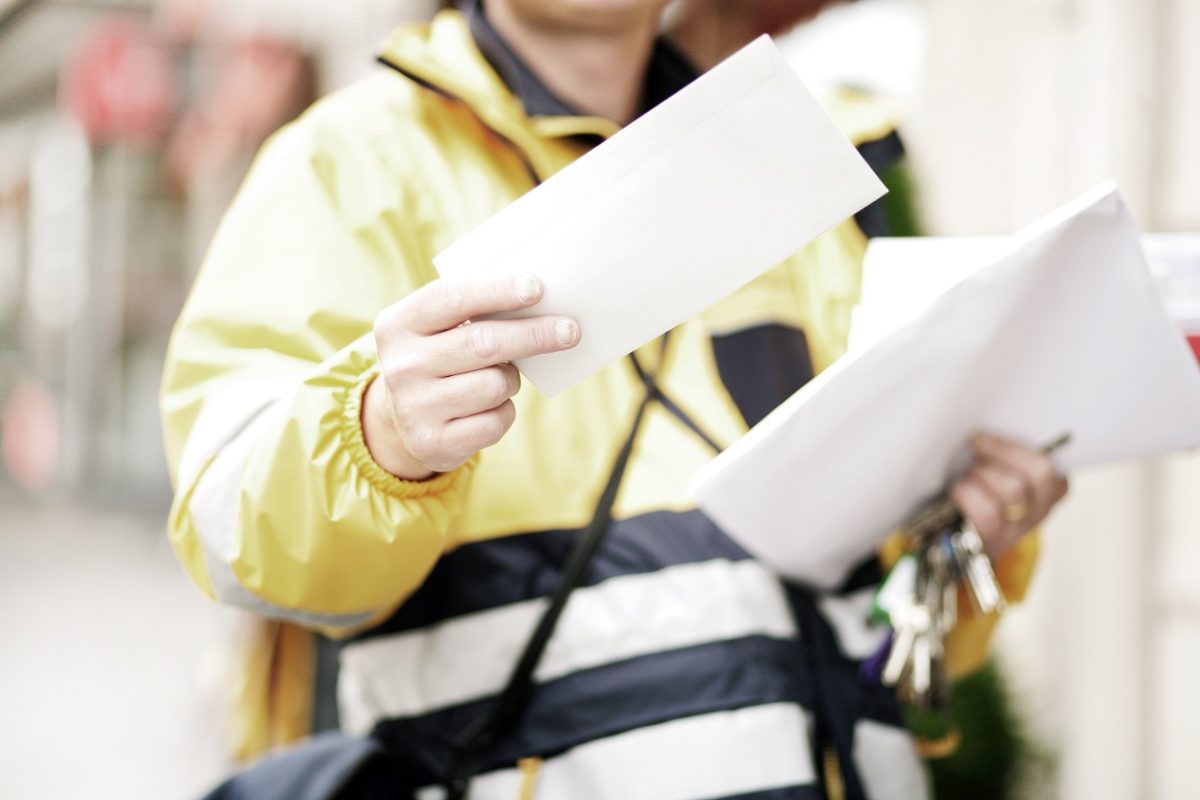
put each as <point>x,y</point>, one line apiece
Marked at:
<point>280,509</point>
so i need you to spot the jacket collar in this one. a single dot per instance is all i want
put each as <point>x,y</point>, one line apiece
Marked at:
<point>461,55</point>
<point>667,72</point>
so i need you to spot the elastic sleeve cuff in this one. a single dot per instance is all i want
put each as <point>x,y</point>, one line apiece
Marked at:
<point>377,476</point>
<point>1014,572</point>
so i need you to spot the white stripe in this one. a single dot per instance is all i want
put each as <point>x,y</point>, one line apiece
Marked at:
<point>215,508</point>
<point>888,763</point>
<point>215,504</point>
<point>470,657</point>
<point>227,412</point>
<point>849,616</point>
<point>714,755</point>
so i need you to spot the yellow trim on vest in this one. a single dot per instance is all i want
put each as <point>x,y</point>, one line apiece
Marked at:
<point>531,770</point>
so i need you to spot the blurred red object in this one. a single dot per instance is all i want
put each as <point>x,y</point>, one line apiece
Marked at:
<point>183,20</point>
<point>31,436</point>
<point>1174,260</point>
<point>119,83</point>
<point>259,85</point>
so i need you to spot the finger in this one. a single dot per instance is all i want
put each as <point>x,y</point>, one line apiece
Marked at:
<point>446,304</point>
<point>468,435</point>
<point>1010,487</point>
<point>482,344</point>
<point>981,507</point>
<point>1062,487</point>
<point>1036,466</point>
<point>474,392</point>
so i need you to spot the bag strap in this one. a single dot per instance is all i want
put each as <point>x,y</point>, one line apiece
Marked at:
<point>513,700</point>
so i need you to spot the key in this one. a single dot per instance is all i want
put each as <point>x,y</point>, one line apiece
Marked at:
<point>918,659</point>
<point>928,648</point>
<point>909,621</point>
<point>975,567</point>
<point>896,590</point>
<point>922,667</point>
<point>944,587</point>
<point>939,675</point>
<point>944,571</point>
<point>950,590</point>
<point>919,624</point>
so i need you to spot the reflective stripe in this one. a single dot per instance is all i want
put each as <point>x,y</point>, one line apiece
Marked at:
<point>887,762</point>
<point>616,698</point>
<point>718,755</point>
<point>470,657</point>
<point>226,414</point>
<point>215,508</point>
<point>849,616</point>
<point>234,593</point>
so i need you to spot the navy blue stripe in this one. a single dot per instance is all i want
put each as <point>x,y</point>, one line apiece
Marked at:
<point>499,572</point>
<point>612,699</point>
<point>762,366</point>
<point>810,792</point>
<point>868,573</point>
<point>883,153</point>
<point>873,220</point>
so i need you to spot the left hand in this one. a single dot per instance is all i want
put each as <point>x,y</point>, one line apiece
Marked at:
<point>1007,491</point>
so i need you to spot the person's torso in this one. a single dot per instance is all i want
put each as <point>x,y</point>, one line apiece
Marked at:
<point>682,668</point>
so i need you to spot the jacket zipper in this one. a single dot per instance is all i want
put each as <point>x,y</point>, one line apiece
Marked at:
<point>417,79</point>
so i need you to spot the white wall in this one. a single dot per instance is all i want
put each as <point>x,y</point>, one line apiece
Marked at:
<point>1022,105</point>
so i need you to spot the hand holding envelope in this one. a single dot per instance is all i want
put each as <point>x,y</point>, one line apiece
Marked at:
<point>1061,332</point>
<point>446,384</point>
<point>716,185</point>
<point>699,196</point>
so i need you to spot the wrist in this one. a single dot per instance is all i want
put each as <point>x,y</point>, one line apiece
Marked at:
<point>382,435</point>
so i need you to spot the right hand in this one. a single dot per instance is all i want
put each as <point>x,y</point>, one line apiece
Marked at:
<point>446,383</point>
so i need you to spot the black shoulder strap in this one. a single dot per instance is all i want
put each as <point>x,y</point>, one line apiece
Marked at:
<point>512,701</point>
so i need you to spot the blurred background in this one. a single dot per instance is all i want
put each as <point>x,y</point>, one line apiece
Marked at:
<point>125,128</point>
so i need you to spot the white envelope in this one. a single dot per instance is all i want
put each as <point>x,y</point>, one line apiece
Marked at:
<point>1062,332</point>
<point>697,197</point>
<point>902,276</point>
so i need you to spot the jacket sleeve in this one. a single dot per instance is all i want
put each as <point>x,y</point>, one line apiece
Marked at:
<point>278,505</point>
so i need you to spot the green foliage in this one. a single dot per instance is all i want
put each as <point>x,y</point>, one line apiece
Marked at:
<point>900,203</point>
<point>985,765</point>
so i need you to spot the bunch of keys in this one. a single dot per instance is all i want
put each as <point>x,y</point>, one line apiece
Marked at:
<point>922,612</point>
<point>920,599</point>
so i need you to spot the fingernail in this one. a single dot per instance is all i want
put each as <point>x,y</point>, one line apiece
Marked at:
<point>977,440</point>
<point>529,288</point>
<point>566,331</point>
